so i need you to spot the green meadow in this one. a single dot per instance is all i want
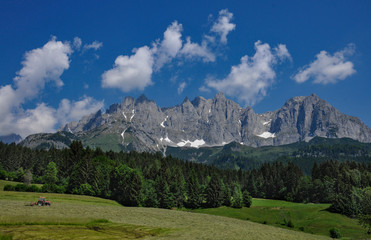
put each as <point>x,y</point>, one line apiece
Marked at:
<point>84,217</point>
<point>310,218</point>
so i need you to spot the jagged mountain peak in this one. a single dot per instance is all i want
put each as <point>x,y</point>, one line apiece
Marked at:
<point>186,101</point>
<point>198,101</point>
<point>220,95</point>
<point>143,126</point>
<point>143,98</point>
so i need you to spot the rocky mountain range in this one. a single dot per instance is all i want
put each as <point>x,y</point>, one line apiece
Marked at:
<point>141,125</point>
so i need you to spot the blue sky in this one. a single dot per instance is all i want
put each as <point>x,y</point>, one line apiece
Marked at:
<point>64,59</point>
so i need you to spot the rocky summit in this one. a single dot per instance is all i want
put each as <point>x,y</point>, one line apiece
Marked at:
<point>141,125</point>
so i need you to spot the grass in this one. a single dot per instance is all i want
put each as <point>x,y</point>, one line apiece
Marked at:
<point>4,182</point>
<point>310,218</point>
<point>78,217</point>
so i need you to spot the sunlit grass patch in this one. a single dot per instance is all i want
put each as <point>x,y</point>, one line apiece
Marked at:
<point>310,218</point>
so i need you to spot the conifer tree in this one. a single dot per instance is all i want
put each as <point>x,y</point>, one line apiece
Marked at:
<point>237,196</point>
<point>193,191</point>
<point>214,193</point>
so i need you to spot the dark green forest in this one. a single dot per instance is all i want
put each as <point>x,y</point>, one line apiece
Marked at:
<point>152,180</point>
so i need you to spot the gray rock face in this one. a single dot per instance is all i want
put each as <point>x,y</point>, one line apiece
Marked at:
<point>141,125</point>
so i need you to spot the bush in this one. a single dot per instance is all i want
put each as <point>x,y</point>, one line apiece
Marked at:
<point>84,189</point>
<point>290,224</point>
<point>11,176</point>
<point>365,221</point>
<point>20,187</point>
<point>247,199</point>
<point>59,189</point>
<point>9,187</point>
<point>33,188</point>
<point>3,174</point>
<point>335,233</point>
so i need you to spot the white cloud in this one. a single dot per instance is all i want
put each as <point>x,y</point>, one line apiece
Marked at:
<point>223,26</point>
<point>94,45</point>
<point>77,43</point>
<point>72,111</point>
<point>8,100</point>
<point>204,89</point>
<point>282,52</point>
<point>135,72</point>
<point>250,80</point>
<point>181,87</point>
<point>130,72</point>
<point>327,68</point>
<point>40,119</point>
<point>194,50</point>
<point>170,45</point>
<point>40,66</point>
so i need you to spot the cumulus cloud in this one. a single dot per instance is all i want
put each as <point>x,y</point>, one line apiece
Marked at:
<point>327,68</point>
<point>223,25</point>
<point>94,45</point>
<point>130,72</point>
<point>77,42</point>
<point>194,50</point>
<point>181,87</point>
<point>40,119</point>
<point>282,53</point>
<point>250,80</point>
<point>135,72</point>
<point>72,111</point>
<point>170,45</point>
<point>40,66</point>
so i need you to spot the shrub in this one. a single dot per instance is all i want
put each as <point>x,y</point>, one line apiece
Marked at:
<point>290,224</point>
<point>84,189</point>
<point>3,174</point>
<point>335,233</point>
<point>49,188</point>
<point>9,187</point>
<point>33,188</point>
<point>365,221</point>
<point>59,189</point>
<point>247,199</point>
<point>20,187</point>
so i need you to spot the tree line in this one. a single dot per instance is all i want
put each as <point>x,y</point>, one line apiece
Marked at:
<point>151,180</point>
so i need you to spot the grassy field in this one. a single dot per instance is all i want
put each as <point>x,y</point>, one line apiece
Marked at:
<point>3,183</point>
<point>311,218</point>
<point>83,217</point>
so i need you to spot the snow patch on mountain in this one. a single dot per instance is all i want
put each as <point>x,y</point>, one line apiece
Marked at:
<point>196,143</point>
<point>267,135</point>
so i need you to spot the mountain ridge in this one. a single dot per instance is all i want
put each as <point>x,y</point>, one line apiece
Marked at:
<point>141,125</point>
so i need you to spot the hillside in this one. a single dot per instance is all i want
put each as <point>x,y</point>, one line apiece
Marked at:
<point>303,154</point>
<point>70,216</point>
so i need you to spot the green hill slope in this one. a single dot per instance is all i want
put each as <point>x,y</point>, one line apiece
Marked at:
<point>303,154</point>
<point>77,217</point>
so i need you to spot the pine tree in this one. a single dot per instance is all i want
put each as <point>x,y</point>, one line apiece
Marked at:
<point>226,195</point>
<point>126,185</point>
<point>214,193</point>
<point>237,196</point>
<point>193,191</point>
